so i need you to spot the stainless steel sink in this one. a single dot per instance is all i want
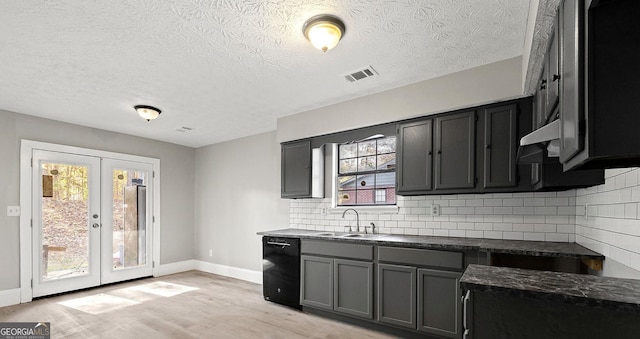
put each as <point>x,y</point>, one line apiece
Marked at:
<point>362,235</point>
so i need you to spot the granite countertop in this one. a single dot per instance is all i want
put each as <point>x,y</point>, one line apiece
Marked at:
<point>530,248</point>
<point>588,290</point>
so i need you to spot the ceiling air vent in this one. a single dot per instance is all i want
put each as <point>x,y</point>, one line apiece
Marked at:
<point>361,74</point>
<point>184,129</point>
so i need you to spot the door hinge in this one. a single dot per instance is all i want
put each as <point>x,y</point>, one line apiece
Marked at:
<point>475,180</point>
<point>31,162</point>
<point>31,283</point>
<point>31,221</point>
<point>153,174</point>
<point>153,218</point>
<point>153,264</point>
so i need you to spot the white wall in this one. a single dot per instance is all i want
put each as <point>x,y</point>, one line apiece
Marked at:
<point>611,224</point>
<point>238,194</point>
<point>497,81</point>
<point>177,182</point>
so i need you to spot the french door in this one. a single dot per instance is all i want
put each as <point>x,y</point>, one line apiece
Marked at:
<point>91,221</point>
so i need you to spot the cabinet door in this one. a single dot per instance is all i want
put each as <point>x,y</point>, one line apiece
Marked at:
<point>571,78</point>
<point>439,307</point>
<point>541,99</point>
<point>353,287</point>
<point>500,146</point>
<point>553,74</point>
<point>316,282</point>
<point>455,151</point>
<point>397,295</point>
<point>414,156</point>
<point>296,169</point>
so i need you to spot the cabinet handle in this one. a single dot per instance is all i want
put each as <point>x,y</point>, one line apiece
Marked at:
<point>439,152</point>
<point>465,305</point>
<point>429,153</point>
<point>556,77</point>
<point>487,146</point>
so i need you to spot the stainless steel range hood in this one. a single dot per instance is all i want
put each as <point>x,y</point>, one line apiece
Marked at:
<point>540,145</point>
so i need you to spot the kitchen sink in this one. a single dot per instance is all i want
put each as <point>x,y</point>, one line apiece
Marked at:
<point>325,234</point>
<point>362,235</point>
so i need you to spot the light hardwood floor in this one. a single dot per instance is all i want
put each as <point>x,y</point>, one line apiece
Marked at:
<point>220,307</point>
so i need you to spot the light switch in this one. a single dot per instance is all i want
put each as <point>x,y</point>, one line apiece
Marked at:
<point>13,211</point>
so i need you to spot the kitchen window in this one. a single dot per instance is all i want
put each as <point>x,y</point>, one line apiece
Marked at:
<point>367,172</point>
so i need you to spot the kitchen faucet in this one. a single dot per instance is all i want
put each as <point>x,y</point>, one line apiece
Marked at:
<point>357,217</point>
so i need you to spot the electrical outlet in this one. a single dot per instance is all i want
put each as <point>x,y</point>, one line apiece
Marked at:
<point>13,211</point>
<point>211,253</point>
<point>435,210</point>
<point>586,211</point>
<point>323,211</point>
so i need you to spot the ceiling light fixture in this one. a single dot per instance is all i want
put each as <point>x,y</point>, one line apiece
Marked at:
<point>147,112</point>
<point>324,31</point>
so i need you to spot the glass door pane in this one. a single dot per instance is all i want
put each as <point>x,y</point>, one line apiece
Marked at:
<point>65,216</point>
<point>129,218</point>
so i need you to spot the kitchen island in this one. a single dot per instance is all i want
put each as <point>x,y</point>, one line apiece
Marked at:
<point>502,302</point>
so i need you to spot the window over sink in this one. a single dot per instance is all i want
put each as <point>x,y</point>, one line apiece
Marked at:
<point>366,174</point>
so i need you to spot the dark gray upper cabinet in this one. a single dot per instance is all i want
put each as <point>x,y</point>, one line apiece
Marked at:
<point>602,133</point>
<point>296,169</point>
<point>455,137</point>
<point>414,154</point>
<point>500,146</point>
<point>541,100</point>
<point>571,23</point>
<point>552,73</point>
<point>477,143</point>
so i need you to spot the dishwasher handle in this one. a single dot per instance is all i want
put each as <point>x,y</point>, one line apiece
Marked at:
<point>283,244</point>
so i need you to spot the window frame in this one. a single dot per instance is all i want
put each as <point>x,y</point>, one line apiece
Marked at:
<point>374,189</point>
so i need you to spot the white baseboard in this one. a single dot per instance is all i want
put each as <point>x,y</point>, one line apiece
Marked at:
<point>229,271</point>
<point>174,267</point>
<point>9,297</point>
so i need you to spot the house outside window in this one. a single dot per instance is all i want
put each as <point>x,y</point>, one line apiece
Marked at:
<point>367,173</point>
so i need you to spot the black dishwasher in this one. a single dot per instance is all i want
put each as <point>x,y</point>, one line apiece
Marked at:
<point>281,270</point>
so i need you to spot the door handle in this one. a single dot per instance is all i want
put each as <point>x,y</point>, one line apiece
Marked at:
<point>96,225</point>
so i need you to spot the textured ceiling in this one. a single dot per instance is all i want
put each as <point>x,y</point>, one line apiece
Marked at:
<point>230,68</point>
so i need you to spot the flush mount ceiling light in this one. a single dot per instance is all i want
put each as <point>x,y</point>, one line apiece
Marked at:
<point>324,31</point>
<point>147,112</point>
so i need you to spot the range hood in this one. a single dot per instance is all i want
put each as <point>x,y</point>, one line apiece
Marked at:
<point>540,145</point>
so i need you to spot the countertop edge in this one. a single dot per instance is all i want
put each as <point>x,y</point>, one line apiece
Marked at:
<point>445,243</point>
<point>550,295</point>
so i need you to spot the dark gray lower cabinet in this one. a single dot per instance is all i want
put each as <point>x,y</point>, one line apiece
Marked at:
<point>397,295</point>
<point>439,307</point>
<point>353,287</point>
<point>316,276</point>
<point>344,286</point>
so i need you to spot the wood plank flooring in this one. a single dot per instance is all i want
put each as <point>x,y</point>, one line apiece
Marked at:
<point>220,307</point>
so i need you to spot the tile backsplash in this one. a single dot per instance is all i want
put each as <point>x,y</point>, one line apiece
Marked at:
<point>544,216</point>
<point>609,218</point>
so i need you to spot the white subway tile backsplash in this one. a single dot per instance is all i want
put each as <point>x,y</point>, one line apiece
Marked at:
<point>441,233</point>
<point>544,228</point>
<point>534,236</point>
<point>514,202</point>
<point>614,210</point>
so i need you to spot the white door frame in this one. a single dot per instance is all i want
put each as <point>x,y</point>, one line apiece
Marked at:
<point>26,151</point>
